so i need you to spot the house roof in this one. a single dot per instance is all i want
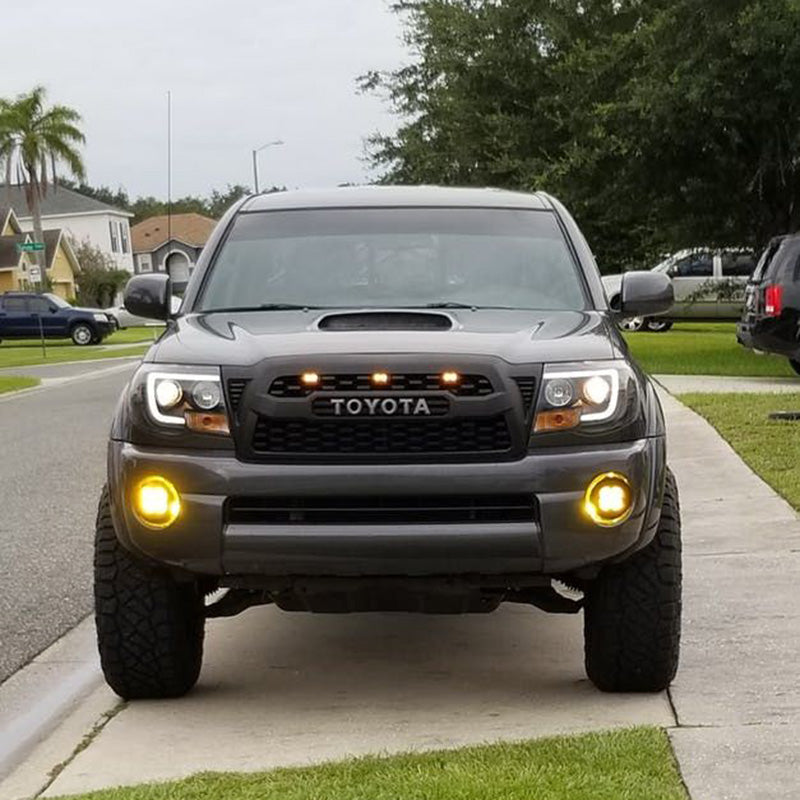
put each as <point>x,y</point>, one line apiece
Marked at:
<point>10,256</point>
<point>7,216</point>
<point>152,233</point>
<point>58,201</point>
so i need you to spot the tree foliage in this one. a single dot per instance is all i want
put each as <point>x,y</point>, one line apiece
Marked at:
<point>35,139</point>
<point>213,205</point>
<point>99,280</point>
<point>662,124</point>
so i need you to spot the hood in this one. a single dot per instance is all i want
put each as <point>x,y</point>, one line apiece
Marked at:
<point>244,339</point>
<point>105,311</point>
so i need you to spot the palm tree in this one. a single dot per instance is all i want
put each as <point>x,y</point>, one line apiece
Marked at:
<point>34,139</point>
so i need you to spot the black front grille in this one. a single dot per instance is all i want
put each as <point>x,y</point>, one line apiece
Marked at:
<point>468,386</point>
<point>388,510</point>
<point>382,436</point>
<point>527,388</point>
<point>236,387</point>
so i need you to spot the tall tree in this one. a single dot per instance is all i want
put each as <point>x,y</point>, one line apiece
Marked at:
<point>662,123</point>
<point>35,139</point>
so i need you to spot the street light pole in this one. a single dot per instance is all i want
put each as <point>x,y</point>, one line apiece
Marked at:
<point>255,161</point>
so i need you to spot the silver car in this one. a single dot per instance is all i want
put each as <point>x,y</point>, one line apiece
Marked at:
<point>125,319</point>
<point>709,285</point>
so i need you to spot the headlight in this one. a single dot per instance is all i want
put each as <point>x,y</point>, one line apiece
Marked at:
<point>187,399</point>
<point>576,395</point>
<point>100,317</point>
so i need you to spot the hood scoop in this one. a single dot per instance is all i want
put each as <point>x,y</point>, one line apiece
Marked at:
<point>385,321</point>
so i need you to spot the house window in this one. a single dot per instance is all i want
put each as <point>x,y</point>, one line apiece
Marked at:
<point>112,229</point>
<point>123,235</point>
<point>145,265</point>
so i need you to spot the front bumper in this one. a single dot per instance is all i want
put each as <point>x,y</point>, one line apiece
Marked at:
<point>558,538</point>
<point>105,328</point>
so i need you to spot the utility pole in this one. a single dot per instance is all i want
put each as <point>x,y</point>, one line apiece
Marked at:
<point>276,143</point>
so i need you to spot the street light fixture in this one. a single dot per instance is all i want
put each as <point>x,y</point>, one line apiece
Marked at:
<point>255,161</point>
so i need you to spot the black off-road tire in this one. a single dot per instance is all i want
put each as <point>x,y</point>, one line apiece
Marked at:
<point>794,363</point>
<point>632,612</point>
<point>150,626</point>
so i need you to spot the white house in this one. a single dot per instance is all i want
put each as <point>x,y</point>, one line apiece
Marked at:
<point>81,217</point>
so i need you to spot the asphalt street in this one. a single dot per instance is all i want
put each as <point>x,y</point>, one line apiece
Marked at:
<point>52,464</point>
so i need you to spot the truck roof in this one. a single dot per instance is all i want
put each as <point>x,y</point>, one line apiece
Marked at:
<point>388,196</point>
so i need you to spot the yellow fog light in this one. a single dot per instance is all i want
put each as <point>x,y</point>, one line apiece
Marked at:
<point>156,502</point>
<point>609,499</point>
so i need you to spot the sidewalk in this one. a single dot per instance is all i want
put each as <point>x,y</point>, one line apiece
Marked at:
<point>280,689</point>
<point>737,694</point>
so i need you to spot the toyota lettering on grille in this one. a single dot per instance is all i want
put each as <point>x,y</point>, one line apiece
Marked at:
<point>381,406</point>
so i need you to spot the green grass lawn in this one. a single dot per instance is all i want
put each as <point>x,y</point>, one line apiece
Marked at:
<point>697,348</point>
<point>635,764</point>
<point>26,356</point>
<point>769,447</point>
<point>27,352</point>
<point>13,383</point>
<point>130,335</point>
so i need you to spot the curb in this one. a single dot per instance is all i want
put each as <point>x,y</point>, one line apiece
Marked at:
<point>36,698</point>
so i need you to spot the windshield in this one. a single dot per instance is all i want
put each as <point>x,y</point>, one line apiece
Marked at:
<point>57,301</point>
<point>395,257</point>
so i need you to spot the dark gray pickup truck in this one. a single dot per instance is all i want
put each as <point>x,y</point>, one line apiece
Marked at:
<point>389,399</point>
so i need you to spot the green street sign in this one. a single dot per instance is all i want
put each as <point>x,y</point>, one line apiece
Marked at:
<point>30,247</point>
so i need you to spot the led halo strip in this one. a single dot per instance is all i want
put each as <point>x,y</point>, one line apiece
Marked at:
<point>612,374</point>
<point>152,405</point>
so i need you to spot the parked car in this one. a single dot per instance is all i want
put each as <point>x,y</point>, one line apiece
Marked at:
<point>389,399</point>
<point>708,285</point>
<point>25,315</point>
<point>771,318</point>
<point>124,318</point>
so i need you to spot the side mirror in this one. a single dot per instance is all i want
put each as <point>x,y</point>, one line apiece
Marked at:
<point>645,294</point>
<point>148,296</point>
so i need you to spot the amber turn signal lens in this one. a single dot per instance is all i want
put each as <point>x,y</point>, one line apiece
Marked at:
<point>609,499</point>
<point>309,379</point>
<point>561,419</point>
<point>380,378</point>
<point>207,422</point>
<point>156,502</point>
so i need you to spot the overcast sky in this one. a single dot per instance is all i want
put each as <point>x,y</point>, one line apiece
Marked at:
<point>241,72</point>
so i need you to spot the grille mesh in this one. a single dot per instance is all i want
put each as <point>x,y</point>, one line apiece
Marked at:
<point>390,510</point>
<point>382,436</point>
<point>236,387</point>
<point>527,388</point>
<point>469,386</point>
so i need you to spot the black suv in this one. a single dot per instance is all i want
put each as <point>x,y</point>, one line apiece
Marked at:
<point>24,315</point>
<point>771,317</point>
<point>403,399</point>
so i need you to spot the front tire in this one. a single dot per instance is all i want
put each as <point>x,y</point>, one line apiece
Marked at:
<point>150,626</point>
<point>795,365</point>
<point>82,334</point>
<point>632,613</point>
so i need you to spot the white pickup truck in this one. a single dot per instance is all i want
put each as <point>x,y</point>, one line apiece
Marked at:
<point>709,285</point>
